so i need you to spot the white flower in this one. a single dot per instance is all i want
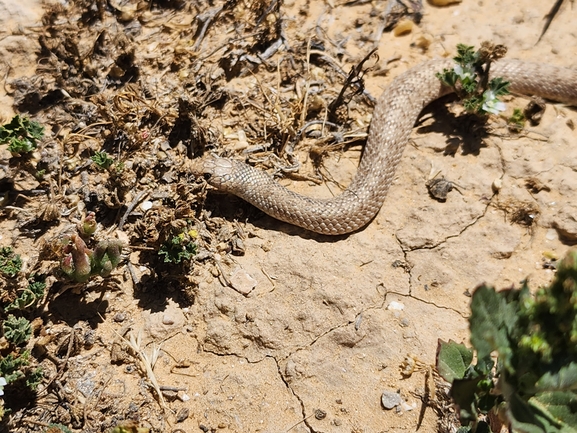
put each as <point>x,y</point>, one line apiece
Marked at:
<point>2,385</point>
<point>492,104</point>
<point>466,73</point>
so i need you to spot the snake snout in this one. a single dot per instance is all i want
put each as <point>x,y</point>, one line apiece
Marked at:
<point>215,170</point>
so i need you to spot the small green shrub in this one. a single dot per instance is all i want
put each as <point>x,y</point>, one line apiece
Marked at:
<point>469,79</point>
<point>57,428</point>
<point>14,367</point>
<point>17,330</point>
<point>10,263</point>
<point>179,248</point>
<point>21,134</point>
<point>532,383</point>
<point>29,296</point>
<point>102,160</point>
<point>517,120</point>
<point>80,262</point>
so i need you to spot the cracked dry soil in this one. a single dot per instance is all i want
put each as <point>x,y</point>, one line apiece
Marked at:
<point>313,345</point>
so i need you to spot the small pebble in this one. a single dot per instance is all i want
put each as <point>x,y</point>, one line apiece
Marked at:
<point>182,414</point>
<point>167,319</point>
<point>320,414</point>
<point>551,235</point>
<point>146,205</point>
<point>396,306</point>
<point>119,317</point>
<point>497,185</point>
<point>390,399</point>
<point>403,27</point>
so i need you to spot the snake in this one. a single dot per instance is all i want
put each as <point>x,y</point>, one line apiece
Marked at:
<point>394,115</point>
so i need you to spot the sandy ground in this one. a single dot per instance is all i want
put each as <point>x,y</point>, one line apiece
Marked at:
<point>313,346</point>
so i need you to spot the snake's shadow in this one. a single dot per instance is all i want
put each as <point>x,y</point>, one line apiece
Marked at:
<point>232,208</point>
<point>466,131</point>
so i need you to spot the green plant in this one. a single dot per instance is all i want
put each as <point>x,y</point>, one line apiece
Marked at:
<point>14,367</point>
<point>180,247</point>
<point>88,225</point>
<point>17,330</point>
<point>21,134</point>
<point>532,383</point>
<point>470,79</point>
<point>57,428</point>
<point>29,296</point>
<point>102,160</point>
<point>10,263</point>
<point>80,262</point>
<point>517,120</point>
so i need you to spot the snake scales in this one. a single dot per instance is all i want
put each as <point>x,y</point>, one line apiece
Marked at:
<point>393,118</point>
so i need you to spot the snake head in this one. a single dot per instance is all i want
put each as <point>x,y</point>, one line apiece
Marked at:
<point>215,170</point>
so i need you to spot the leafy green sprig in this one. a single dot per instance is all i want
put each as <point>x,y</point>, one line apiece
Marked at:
<point>21,134</point>
<point>469,78</point>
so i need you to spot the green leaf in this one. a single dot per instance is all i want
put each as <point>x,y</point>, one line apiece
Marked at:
<point>526,418</point>
<point>463,393</point>
<point>448,77</point>
<point>179,248</point>
<point>34,378</point>
<point>57,428</point>
<point>499,86</point>
<point>561,408</point>
<point>491,322</point>
<point>563,380</point>
<point>466,55</point>
<point>453,359</point>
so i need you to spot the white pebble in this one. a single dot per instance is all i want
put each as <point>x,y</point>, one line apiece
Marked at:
<point>396,306</point>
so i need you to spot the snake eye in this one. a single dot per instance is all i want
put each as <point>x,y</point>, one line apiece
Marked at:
<point>207,176</point>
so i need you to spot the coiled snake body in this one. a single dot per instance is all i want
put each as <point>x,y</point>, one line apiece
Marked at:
<point>393,118</point>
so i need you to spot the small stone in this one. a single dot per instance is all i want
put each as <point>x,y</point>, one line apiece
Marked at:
<point>167,319</point>
<point>182,414</point>
<point>390,399</point>
<point>497,185</point>
<point>146,205</point>
<point>169,394</point>
<point>403,27</point>
<point>119,317</point>
<point>396,306</point>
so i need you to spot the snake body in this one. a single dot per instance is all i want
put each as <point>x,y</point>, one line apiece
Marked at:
<point>394,116</point>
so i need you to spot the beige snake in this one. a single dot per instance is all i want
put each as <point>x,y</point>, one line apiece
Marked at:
<point>393,119</point>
